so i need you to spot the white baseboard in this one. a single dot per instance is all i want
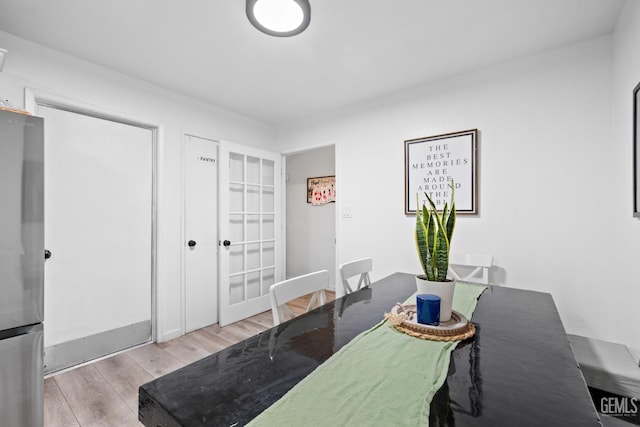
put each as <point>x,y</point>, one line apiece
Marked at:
<point>169,335</point>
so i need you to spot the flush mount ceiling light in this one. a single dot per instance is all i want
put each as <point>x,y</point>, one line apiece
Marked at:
<point>280,18</point>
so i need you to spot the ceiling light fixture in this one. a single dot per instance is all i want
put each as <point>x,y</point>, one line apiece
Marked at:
<point>279,18</point>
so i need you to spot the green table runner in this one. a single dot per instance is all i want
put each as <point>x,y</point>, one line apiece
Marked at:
<point>381,378</point>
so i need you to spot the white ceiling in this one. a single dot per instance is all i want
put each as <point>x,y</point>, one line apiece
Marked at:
<point>353,50</point>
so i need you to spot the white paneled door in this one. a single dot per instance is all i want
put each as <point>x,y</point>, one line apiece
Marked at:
<point>250,229</point>
<point>98,230</point>
<point>201,232</point>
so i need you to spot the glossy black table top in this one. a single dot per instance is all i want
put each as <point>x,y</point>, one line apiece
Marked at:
<point>517,370</point>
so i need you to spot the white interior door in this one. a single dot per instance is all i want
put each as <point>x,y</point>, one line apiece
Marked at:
<point>250,229</point>
<point>98,228</point>
<point>201,232</point>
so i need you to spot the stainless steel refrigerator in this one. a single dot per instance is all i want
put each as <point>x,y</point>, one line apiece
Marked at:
<point>21,270</point>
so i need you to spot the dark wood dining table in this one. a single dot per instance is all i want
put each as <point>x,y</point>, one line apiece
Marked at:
<point>518,369</point>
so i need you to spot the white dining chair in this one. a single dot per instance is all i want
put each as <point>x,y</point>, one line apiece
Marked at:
<point>360,267</point>
<point>470,267</point>
<point>290,289</point>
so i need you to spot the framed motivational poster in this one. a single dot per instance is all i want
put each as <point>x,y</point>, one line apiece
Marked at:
<point>434,162</point>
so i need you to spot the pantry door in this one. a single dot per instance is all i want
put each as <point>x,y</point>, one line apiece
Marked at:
<point>251,243</point>
<point>201,232</point>
<point>99,215</point>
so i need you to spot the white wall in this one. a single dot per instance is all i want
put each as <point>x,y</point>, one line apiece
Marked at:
<point>626,75</point>
<point>554,186</point>
<point>36,67</point>
<point>310,228</point>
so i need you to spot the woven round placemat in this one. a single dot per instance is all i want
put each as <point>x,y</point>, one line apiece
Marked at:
<point>468,333</point>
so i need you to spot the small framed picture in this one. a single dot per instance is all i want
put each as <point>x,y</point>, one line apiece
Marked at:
<point>432,163</point>
<point>636,151</point>
<point>321,190</point>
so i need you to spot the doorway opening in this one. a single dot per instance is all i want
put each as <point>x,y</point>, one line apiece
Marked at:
<point>310,228</point>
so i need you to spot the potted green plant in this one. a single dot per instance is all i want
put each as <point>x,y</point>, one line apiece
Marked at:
<point>433,241</point>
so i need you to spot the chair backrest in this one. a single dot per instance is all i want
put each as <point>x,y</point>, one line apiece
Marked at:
<point>360,267</point>
<point>470,267</point>
<point>290,289</point>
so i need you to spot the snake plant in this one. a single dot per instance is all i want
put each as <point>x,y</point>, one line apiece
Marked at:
<point>433,236</point>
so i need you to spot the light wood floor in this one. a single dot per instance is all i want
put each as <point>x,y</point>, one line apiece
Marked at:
<point>105,393</point>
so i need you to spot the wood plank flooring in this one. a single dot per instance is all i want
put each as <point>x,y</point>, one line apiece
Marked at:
<point>105,393</point>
